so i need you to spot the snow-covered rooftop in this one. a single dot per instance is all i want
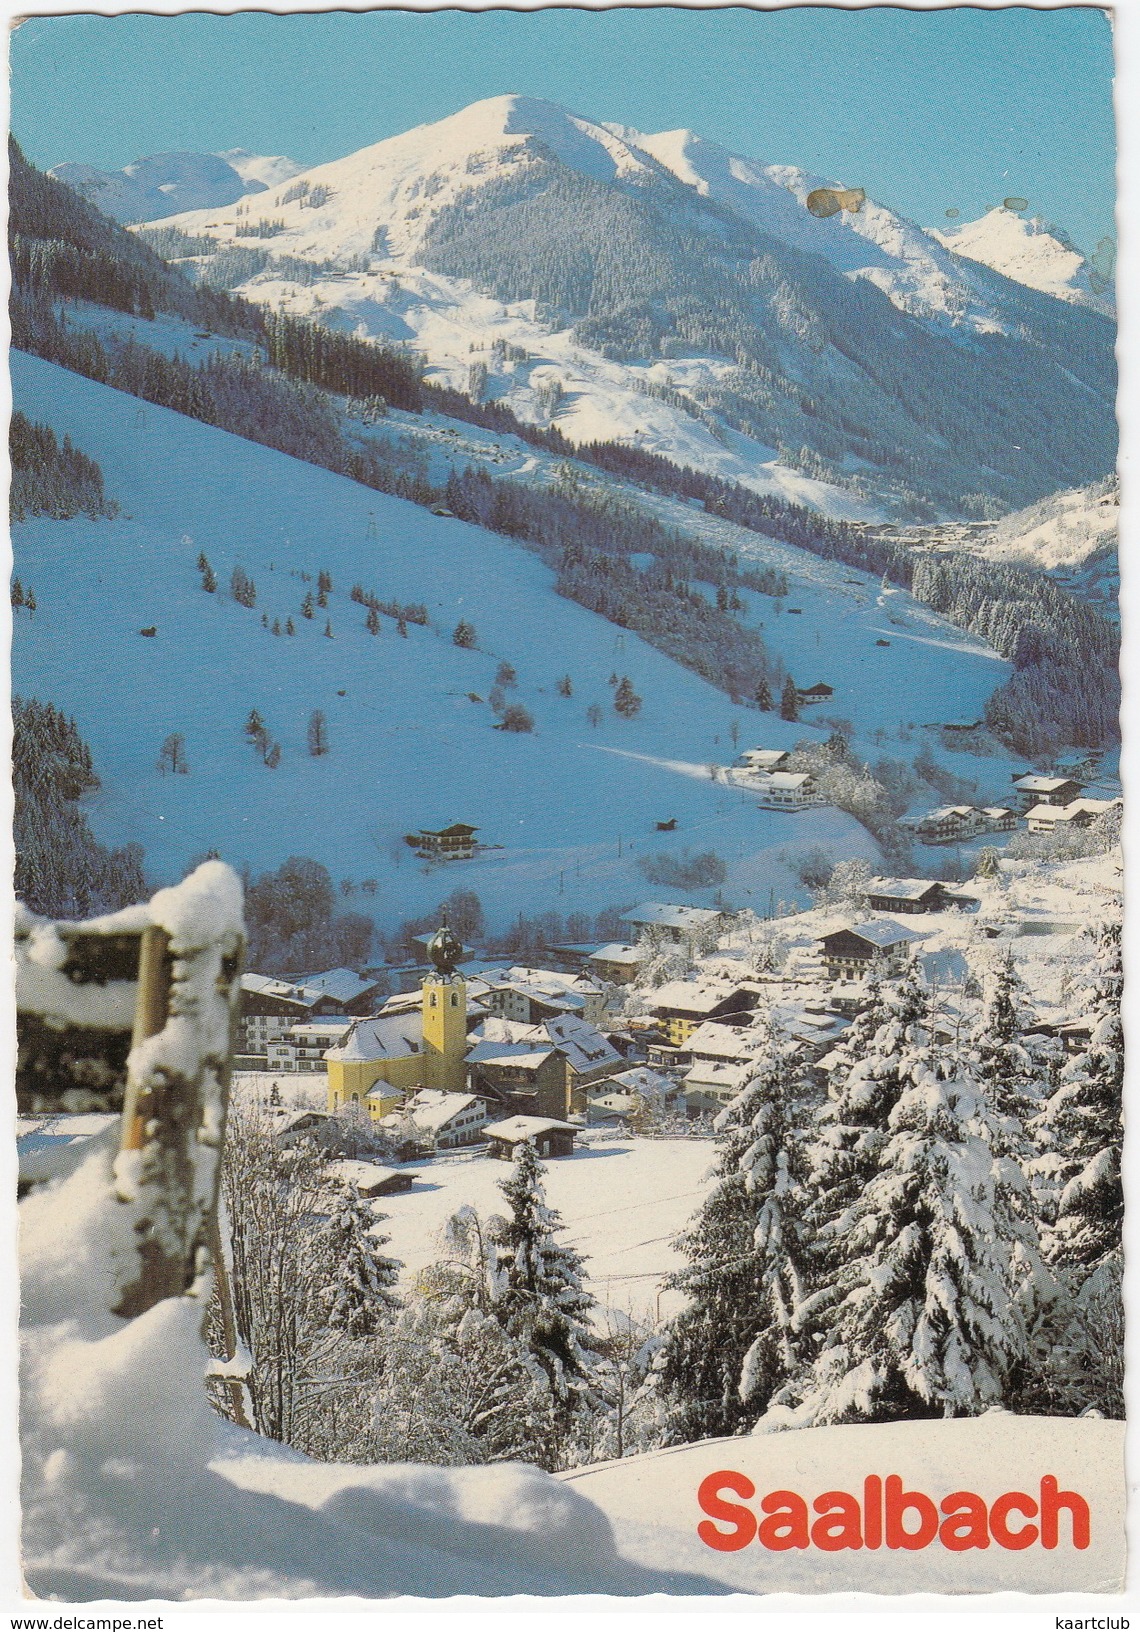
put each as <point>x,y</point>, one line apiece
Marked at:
<point>386,1037</point>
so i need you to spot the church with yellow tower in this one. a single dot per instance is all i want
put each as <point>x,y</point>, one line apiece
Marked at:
<point>411,1050</point>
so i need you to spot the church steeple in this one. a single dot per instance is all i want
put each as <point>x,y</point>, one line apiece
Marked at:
<point>445,1015</point>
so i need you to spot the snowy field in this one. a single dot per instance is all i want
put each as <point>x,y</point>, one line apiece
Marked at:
<point>622,1202</point>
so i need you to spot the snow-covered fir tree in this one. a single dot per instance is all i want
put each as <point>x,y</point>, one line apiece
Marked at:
<point>1082,1123</point>
<point>459,1386</point>
<point>851,1126</point>
<point>928,1317</point>
<point>542,1298</point>
<point>739,1337</point>
<point>360,1296</point>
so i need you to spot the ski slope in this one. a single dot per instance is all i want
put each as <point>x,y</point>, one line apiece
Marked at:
<point>564,821</point>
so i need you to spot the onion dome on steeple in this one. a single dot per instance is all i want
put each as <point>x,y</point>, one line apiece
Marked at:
<point>445,950</point>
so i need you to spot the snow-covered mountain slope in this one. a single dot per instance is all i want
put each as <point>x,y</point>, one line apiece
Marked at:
<point>1030,251</point>
<point>1062,531</point>
<point>264,169</point>
<point>165,183</point>
<point>662,292</point>
<point>568,811</point>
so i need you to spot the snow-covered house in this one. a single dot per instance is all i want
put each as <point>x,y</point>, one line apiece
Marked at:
<point>678,922</point>
<point>549,1136</point>
<point>788,790</point>
<point>1046,790</point>
<point>999,818</point>
<point>1046,818</point>
<point>882,948</point>
<point>821,692</point>
<point>445,1119</point>
<point>288,1127</point>
<point>531,995</point>
<point>302,1047</point>
<point>369,1179</point>
<point>909,895</point>
<point>542,1069</point>
<point>454,843</point>
<point>730,1045</point>
<point>269,1006</point>
<point>616,963</point>
<point>681,1006</point>
<point>711,1084</point>
<point>386,1048</point>
<point>949,822</point>
<point>764,759</point>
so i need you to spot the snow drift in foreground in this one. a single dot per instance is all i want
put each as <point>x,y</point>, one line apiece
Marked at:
<point>134,1489</point>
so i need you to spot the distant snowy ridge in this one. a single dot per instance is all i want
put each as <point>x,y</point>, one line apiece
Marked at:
<point>1064,530</point>
<point>665,293</point>
<point>166,183</point>
<point>1030,251</point>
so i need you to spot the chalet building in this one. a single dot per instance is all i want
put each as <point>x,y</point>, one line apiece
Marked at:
<point>541,1070</point>
<point>788,790</point>
<point>532,995</point>
<point>1079,813</point>
<point>949,823</point>
<point>819,693</point>
<point>302,1047</point>
<point>999,818</point>
<point>906,895</point>
<point>289,1127</point>
<point>727,1045</point>
<point>617,963</point>
<point>647,1085</point>
<point>812,1029</point>
<point>681,1006</point>
<point>269,1006</point>
<point>881,948</point>
<point>677,923</point>
<point>448,1121</point>
<point>1046,790</point>
<point>764,759</point>
<point>369,1179</point>
<point>454,843</point>
<point>710,1085</point>
<point>550,1137</point>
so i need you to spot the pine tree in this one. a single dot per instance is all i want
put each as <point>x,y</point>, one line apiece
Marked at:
<point>172,754</point>
<point>318,734</point>
<point>30,599</point>
<point>329,629</point>
<point>764,697</point>
<point>307,605</point>
<point>851,1126</point>
<point>1009,1076</point>
<point>372,622</point>
<point>789,701</point>
<point>361,1297</point>
<point>738,1338</point>
<point>626,701</point>
<point>402,627</point>
<point>463,634</point>
<point>289,627</point>
<point>928,1319</point>
<point>565,686</point>
<point>17,592</point>
<point>1083,1124</point>
<point>543,1300</point>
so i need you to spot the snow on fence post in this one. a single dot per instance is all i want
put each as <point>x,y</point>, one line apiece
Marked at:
<point>136,1012</point>
<point>178,1070</point>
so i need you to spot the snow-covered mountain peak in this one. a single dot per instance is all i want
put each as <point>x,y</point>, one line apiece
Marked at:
<point>1030,251</point>
<point>265,169</point>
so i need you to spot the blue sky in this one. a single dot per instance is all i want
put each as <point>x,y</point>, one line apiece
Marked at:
<point>928,110</point>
